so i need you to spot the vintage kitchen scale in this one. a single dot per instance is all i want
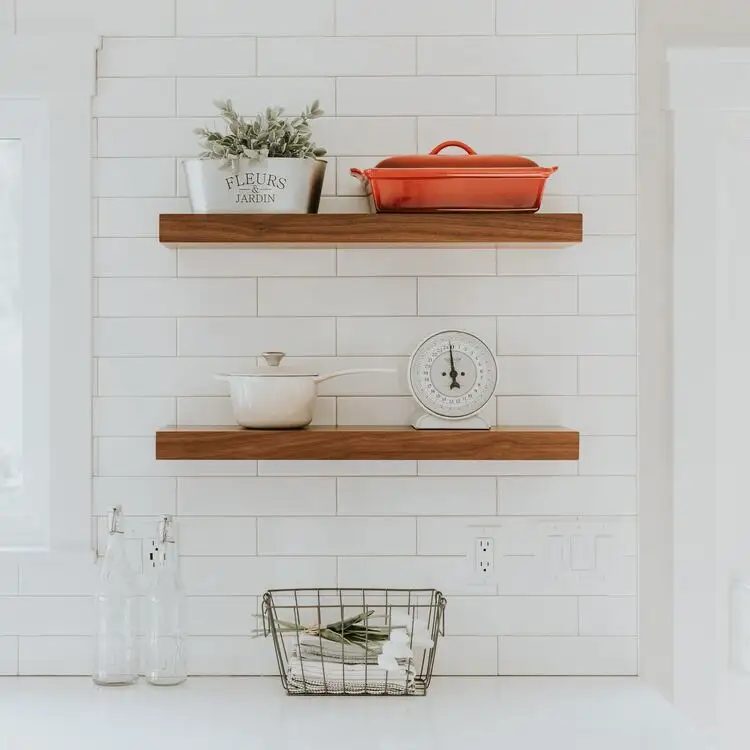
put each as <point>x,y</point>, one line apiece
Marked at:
<point>452,376</point>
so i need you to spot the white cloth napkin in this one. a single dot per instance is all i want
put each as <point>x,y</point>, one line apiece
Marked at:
<point>316,676</point>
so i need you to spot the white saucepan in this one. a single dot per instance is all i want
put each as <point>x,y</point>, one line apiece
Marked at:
<point>275,397</point>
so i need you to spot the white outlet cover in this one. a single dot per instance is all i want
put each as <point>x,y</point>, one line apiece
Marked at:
<point>484,559</point>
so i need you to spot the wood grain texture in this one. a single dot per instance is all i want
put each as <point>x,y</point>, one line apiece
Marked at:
<point>367,443</point>
<point>387,229</point>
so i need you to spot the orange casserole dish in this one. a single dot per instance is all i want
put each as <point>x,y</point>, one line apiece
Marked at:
<point>455,182</point>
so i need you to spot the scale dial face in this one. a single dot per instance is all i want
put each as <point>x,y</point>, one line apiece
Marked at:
<point>453,374</point>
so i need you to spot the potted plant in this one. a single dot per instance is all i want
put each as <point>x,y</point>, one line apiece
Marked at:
<point>266,165</point>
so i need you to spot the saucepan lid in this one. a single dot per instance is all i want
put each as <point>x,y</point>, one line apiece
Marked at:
<point>273,368</point>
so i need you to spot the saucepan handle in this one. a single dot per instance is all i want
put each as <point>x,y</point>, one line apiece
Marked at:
<point>356,371</point>
<point>448,144</point>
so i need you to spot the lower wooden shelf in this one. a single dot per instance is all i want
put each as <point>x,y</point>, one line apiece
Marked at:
<point>367,443</point>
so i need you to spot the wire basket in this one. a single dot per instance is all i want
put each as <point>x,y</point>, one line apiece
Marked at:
<point>329,641</point>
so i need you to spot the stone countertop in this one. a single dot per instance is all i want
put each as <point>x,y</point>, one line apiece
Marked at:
<point>527,713</point>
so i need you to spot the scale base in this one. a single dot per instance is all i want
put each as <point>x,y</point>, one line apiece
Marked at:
<point>431,422</point>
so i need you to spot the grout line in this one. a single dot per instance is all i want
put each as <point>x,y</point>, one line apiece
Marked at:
<point>242,35</point>
<point>402,356</point>
<point>357,116</point>
<point>331,277</point>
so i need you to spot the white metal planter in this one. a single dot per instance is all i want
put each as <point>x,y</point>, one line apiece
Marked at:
<point>287,186</point>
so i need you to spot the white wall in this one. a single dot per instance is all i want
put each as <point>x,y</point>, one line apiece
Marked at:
<point>555,82</point>
<point>663,24</point>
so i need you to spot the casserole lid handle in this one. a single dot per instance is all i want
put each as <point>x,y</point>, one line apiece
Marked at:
<point>273,359</point>
<point>448,144</point>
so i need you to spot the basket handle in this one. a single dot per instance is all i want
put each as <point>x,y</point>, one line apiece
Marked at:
<point>447,144</point>
<point>266,610</point>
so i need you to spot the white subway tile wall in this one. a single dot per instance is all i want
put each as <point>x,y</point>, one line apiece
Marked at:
<point>555,81</point>
<point>514,134</point>
<point>607,54</point>
<point>196,97</point>
<point>497,55</point>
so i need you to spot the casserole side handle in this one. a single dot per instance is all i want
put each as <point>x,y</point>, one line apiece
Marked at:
<point>359,174</point>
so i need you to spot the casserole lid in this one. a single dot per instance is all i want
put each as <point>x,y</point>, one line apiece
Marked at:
<point>470,159</point>
<point>272,369</point>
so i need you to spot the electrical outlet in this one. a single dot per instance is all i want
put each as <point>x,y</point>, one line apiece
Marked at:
<point>484,556</point>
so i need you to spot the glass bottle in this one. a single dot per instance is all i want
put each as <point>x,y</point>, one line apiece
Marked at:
<point>165,642</point>
<point>116,657</point>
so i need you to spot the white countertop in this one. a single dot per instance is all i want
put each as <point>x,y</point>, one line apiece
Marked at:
<point>225,713</point>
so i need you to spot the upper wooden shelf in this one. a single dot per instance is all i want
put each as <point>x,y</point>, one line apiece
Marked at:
<point>384,229</point>
<point>368,443</point>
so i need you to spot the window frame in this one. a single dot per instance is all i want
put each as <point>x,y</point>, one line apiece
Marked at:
<point>26,524</point>
<point>58,74</point>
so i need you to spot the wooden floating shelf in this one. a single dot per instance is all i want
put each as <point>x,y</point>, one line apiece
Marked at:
<point>383,229</point>
<point>367,443</point>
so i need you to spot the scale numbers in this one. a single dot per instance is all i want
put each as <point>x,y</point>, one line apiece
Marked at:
<point>453,374</point>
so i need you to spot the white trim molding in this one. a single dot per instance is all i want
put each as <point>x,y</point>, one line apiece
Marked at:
<point>60,72</point>
<point>710,99</point>
<point>25,504</point>
<point>709,79</point>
